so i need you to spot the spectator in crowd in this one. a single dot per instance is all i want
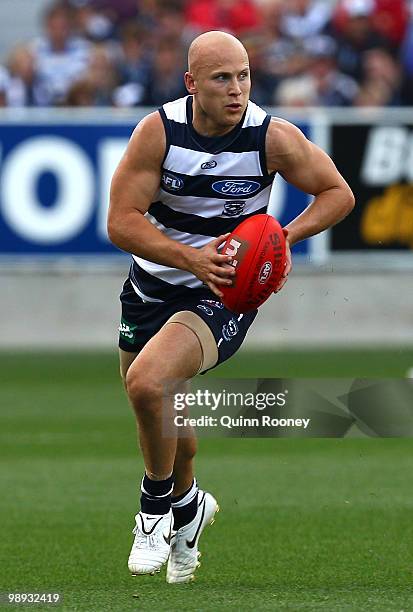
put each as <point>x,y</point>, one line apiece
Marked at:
<point>102,75</point>
<point>4,85</point>
<point>305,18</point>
<point>284,57</point>
<point>407,47</point>
<point>296,92</point>
<point>236,16</point>
<point>382,80</point>
<point>166,82</point>
<point>172,25</point>
<point>97,86</point>
<point>407,60</point>
<point>388,17</point>
<point>322,84</point>
<point>134,58</point>
<point>60,56</point>
<point>148,14</point>
<point>133,65</point>
<point>22,87</point>
<point>272,12</point>
<point>333,88</point>
<point>81,93</point>
<point>92,22</point>
<point>140,44</point>
<point>356,36</point>
<point>118,11</point>
<point>263,82</point>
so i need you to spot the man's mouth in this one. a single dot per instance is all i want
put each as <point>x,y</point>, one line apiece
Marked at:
<point>234,106</point>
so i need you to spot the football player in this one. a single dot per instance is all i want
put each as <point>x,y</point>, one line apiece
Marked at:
<point>191,173</point>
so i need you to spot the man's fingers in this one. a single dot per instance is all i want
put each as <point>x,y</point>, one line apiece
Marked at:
<point>218,259</point>
<point>287,270</point>
<point>215,290</point>
<point>224,271</point>
<point>219,240</point>
<point>280,285</point>
<point>217,280</point>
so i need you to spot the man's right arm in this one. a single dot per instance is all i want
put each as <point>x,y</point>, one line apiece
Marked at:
<point>134,186</point>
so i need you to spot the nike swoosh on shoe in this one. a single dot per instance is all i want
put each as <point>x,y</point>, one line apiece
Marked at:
<point>192,542</point>
<point>152,528</point>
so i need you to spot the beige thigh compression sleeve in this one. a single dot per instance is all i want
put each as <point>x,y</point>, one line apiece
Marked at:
<point>203,333</point>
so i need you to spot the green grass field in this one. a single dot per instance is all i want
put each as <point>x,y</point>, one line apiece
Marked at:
<point>305,524</point>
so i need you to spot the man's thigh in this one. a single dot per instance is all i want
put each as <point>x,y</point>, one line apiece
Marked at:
<point>126,358</point>
<point>174,353</point>
<point>184,336</point>
<point>219,331</point>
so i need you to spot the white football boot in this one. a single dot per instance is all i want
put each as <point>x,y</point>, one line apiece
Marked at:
<point>151,546</point>
<point>183,560</point>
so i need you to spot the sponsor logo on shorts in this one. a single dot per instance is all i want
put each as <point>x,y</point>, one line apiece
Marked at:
<point>233,208</point>
<point>214,303</point>
<point>127,331</point>
<point>265,272</point>
<point>171,182</point>
<point>209,164</point>
<point>206,309</point>
<point>236,188</point>
<point>229,330</point>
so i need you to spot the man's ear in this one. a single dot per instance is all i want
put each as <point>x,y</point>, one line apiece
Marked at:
<point>190,83</point>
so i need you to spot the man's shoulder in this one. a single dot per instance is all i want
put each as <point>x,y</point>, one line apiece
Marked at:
<point>282,136</point>
<point>148,139</point>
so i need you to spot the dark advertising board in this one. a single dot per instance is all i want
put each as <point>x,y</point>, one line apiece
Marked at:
<point>377,162</point>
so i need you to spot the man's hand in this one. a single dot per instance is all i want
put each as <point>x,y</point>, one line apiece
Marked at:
<point>288,263</point>
<point>211,267</point>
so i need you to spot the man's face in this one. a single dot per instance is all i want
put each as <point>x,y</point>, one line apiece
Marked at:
<point>58,28</point>
<point>221,86</point>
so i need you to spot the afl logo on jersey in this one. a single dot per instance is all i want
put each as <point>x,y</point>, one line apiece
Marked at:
<point>235,189</point>
<point>209,164</point>
<point>171,182</point>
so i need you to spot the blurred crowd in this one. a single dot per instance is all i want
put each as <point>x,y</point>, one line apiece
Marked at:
<point>126,53</point>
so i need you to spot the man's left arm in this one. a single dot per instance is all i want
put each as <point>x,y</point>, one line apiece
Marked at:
<point>307,167</point>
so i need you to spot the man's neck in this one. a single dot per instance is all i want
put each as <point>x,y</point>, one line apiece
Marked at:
<point>204,126</point>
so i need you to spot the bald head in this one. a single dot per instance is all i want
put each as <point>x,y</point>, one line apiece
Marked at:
<point>212,49</point>
<point>218,78</point>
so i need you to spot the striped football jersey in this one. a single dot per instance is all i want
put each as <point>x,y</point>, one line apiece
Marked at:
<point>208,187</point>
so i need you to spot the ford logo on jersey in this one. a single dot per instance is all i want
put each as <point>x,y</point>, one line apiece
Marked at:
<point>171,182</point>
<point>234,189</point>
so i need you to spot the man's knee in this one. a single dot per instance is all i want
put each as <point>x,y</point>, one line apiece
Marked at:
<point>143,388</point>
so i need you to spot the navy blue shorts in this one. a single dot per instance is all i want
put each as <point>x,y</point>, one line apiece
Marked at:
<point>142,320</point>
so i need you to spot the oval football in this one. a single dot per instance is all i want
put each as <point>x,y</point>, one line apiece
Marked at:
<point>257,247</point>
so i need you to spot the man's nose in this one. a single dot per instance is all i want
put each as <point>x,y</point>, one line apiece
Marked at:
<point>234,88</point>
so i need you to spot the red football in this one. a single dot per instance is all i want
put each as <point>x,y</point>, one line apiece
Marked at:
<point>257,246</point>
